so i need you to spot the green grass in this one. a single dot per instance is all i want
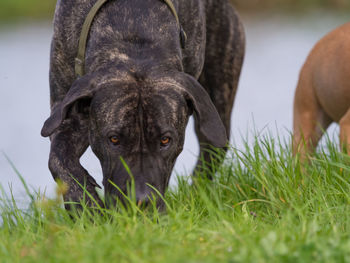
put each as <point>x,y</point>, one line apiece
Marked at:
<point>261,207</point>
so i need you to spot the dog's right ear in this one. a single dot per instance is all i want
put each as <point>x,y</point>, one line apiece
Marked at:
<point>207,118</point>
<point>83,88</point>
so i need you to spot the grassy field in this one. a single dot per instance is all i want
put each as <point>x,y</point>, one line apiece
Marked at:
<point>11,10</point>
<point>261,207</point>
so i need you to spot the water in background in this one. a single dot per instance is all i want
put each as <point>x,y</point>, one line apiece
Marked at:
<point>276,49</point>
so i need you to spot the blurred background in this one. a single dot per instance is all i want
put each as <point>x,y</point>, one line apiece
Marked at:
<point>280,34</point>
<point>37,9</point>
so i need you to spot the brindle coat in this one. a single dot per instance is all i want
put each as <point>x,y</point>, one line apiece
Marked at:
<point>140,86</point>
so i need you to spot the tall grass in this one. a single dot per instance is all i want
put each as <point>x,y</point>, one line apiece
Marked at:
<point>262,206</point>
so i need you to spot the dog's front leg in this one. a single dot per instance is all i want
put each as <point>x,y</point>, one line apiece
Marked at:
<point>67,146</point>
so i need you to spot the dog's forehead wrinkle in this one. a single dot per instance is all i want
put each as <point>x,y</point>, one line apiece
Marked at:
<point>143,60</point>
<point>169,83</point>
<point>109,106</point>
<point>114,76</point>
<point>156,111</point>
<point>171,106</point>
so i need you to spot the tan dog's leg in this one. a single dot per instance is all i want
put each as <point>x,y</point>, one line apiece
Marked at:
<point>344,139</point>
<point>310,121</point>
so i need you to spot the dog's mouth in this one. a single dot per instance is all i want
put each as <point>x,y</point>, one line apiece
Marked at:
<point>135,186</point>
<point>135,194</point>
<point>127,200</point>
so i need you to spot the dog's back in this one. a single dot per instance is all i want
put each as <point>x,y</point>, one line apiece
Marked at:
<point>329,67</point>
<point>323,92</point>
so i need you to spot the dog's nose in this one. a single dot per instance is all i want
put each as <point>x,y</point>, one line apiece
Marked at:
<point>143,203</point>
<point>143,199</point>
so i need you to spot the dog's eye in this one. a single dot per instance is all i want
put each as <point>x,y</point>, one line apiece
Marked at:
<point>114,140</point>
<point>164,141</point>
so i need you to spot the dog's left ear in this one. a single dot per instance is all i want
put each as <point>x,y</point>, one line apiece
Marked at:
<point>206,116</point>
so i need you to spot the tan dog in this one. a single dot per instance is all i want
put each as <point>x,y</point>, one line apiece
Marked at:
<point>323,92</point>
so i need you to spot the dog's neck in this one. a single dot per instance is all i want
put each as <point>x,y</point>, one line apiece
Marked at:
<point>80,59</point>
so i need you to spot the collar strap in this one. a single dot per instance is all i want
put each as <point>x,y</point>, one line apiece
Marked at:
<point>183,36</point>
<point>80,59</point>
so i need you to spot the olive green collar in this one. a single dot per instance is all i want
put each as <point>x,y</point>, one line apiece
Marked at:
<point>80,59</point>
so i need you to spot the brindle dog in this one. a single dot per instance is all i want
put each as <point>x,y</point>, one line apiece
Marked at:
<point>139,89</point>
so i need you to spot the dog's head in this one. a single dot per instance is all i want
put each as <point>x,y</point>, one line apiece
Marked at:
<point>140,123</point>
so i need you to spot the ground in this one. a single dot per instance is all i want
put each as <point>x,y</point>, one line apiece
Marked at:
<point>263,206</point>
